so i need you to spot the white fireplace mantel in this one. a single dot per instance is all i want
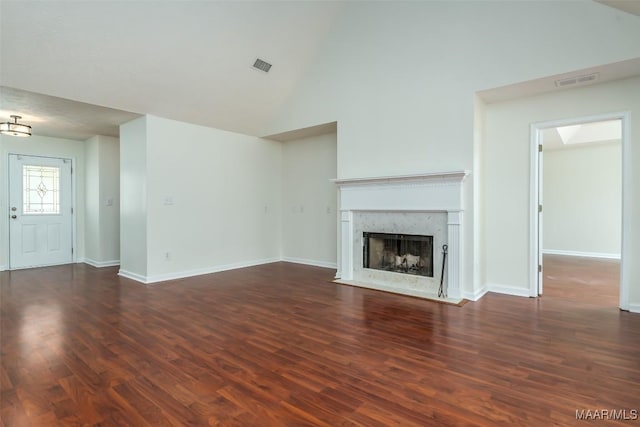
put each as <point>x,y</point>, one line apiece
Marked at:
<point>433,177</point>
<point>432,192</point>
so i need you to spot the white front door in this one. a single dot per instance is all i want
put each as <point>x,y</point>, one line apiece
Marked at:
<point>40,211</point>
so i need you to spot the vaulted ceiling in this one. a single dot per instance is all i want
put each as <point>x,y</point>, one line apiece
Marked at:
<point>186,60</point>
<point>73,68</point>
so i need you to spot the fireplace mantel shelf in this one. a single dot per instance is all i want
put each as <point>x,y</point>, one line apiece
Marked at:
<point>438,176</point>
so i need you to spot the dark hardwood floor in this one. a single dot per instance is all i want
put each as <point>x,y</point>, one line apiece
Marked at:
<point>280,345</point>
<point>587,280</point>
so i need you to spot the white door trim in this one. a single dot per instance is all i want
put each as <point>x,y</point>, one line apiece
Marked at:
<point>74,217</point>
<point>536,137</point>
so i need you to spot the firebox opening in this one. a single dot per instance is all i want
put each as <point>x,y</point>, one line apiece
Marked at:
<point>400,253</point>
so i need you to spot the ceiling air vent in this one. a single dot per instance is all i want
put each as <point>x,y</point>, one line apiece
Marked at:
<point>577,80</point>
<point>262,65</point>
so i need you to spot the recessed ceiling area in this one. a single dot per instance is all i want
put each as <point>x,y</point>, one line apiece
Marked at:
<point>322,129</point>
<point>629,6</point>
<point>61,118</point>
<point>610,72</point>
<point>579,135</point>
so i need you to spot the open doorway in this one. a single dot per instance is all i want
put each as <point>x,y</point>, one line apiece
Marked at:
<point>579,209</point>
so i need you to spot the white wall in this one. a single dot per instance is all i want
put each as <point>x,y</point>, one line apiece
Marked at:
<point>102,158</point>
<point>208,199</point>
<point>110,200</point>
<point>49,147</point>
<point>582,197</point>
<point>400,78</point>
<point>92,199</point>
<point>507,171</point>
<point>309,211</point>
<point>133,198</point>
<point>478,254</point>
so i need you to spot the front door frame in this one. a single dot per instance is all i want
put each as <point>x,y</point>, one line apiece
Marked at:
<point>535,238</point>
<point>74,216</point>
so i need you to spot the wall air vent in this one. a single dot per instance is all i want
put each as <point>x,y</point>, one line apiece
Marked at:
<point>577,80</point>
<point>262,65</point>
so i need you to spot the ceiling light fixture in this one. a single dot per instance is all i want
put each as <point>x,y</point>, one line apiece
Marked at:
<point>14,128</point>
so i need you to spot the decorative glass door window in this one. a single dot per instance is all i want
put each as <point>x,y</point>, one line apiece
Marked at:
<point>41,186</point>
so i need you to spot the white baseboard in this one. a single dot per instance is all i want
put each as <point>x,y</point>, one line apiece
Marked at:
<point>509,290</point>
<point>100,264</point>
<point>475,296</point>
<point>132,276</point>
<point>3,267</point>
<point>634,308</point>
<point>196,272</point>
<point>311,262</point>
<point>580,254</point>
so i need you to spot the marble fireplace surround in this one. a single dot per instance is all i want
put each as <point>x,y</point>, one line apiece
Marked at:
<point>427,204</point>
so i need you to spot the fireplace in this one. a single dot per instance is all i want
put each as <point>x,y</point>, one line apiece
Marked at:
<point>392,229</point>
<point>399,253</point>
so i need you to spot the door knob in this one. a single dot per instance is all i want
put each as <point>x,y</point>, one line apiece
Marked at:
<point>14,208</point>
<point>14,216</point>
